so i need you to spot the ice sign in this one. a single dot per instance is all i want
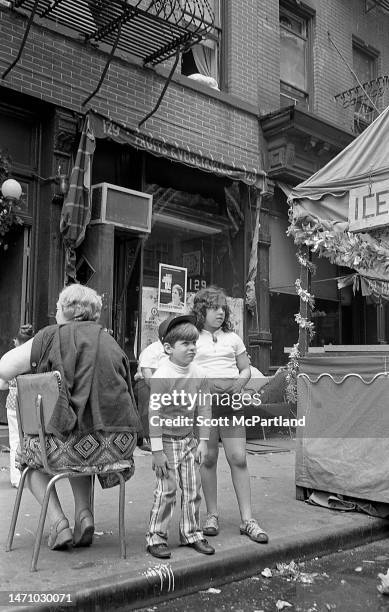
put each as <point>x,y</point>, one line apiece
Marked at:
<point>369,206</point>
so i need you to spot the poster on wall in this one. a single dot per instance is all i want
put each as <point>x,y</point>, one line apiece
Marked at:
<point>171,288</point>
<point>152,317</point>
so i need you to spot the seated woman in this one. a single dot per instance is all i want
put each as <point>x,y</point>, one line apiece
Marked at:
<point>94,422</point>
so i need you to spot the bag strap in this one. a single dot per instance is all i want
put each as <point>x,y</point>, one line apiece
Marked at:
<point>36,351</point>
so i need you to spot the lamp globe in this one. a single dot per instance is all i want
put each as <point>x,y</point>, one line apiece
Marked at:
<point>11,189</point>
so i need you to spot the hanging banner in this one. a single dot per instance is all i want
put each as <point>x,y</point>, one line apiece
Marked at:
<point>368,286</point>
<point>105,128</point>
<point>377,288</point>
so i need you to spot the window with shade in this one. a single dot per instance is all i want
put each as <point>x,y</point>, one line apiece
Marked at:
<point>202,61</point>
<point>294,58</point>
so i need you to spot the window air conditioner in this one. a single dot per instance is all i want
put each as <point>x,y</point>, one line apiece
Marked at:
<point>121,207</point>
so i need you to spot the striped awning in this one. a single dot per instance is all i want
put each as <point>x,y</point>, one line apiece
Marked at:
<point>152,30</point>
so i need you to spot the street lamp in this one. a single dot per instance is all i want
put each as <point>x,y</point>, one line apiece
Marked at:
<point>11,190</point>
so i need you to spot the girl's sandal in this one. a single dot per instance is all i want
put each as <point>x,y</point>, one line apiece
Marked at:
<point>254,531</point>
<point>211,525</point>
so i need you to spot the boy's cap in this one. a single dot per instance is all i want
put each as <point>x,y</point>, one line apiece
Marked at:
<point>171,322</point>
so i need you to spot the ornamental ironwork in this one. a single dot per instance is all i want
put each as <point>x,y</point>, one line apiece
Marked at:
<point>152,30</point>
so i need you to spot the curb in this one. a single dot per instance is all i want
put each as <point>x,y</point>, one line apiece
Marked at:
<point>167,580</point>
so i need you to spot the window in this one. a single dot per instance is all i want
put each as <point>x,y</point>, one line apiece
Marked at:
<point>365,67</point>
<point>294,59</point>
<point>202,61</point>
<point>364,63</point>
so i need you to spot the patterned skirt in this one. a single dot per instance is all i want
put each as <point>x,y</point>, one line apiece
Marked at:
<point>100,451</point>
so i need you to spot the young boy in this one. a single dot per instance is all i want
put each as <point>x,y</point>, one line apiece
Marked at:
<point>176,454</point>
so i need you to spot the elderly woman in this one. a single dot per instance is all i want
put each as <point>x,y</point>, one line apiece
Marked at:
<point>94,422</point>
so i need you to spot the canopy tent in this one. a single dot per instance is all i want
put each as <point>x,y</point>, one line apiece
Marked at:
<point>320,216</point>
<point>365,160</point>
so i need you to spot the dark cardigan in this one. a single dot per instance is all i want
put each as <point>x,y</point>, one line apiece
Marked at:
<point>96,388</point>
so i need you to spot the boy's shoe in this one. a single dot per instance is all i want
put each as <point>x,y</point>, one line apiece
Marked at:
<point>211,525</point>
<point>254,531</point>
<point>202,546</point>
<point>161,551</point>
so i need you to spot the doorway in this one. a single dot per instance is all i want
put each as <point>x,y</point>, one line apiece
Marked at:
<point>128,255</point>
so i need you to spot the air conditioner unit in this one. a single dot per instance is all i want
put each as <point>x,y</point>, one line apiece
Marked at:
<point>121,207</point>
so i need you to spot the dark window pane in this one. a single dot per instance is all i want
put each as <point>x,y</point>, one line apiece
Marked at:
<point>364,64</point>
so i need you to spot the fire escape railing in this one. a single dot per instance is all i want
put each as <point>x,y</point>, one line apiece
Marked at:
<point>152,30</point>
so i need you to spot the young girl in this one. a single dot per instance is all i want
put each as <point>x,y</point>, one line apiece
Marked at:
<point>223,355</point>
<point>25,333</point>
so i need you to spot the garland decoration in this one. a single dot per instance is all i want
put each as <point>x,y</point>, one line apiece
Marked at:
<point>333,241</point>
<point>291,376</point>
<point>303,323</point>
<point>9,210</point>
<point>341,247</point>
<point>305,263</point>
<point>304,295</point>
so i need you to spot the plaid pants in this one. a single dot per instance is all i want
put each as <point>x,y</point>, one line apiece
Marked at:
<point>180,453</point>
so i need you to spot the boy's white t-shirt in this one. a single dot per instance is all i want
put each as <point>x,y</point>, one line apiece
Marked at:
<point>217,353</point>
<point>170,378</point>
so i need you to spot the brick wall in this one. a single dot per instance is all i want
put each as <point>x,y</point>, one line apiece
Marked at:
<point>63,71</point>
<point>342,20</point>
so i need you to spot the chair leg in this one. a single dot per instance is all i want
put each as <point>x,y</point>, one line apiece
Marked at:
<point>15,512</point>
<point>92,494</point>
<point>122,498</point>
<point>42,519</point>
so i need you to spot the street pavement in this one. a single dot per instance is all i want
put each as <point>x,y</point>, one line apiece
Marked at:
<point>96,578</point>
<point>345,581</point>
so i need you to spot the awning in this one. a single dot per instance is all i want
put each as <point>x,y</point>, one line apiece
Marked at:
<point>106,128</point>
<point>321,205</point>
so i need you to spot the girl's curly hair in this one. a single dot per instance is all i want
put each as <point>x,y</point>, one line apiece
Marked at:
<point>211,297</point>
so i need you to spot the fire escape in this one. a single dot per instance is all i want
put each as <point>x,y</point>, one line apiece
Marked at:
<point>367,99</point>
<point>151,30</point>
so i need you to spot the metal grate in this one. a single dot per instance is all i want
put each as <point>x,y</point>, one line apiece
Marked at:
<point>383,4</point>
<point>152,30</point>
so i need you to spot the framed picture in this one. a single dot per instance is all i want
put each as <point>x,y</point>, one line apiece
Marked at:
<point>172,288</point>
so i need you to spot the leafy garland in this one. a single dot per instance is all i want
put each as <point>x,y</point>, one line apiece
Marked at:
<point>303,323</point>
<point>9,211</point>
<point>291,374</point>
<point>341,247</point>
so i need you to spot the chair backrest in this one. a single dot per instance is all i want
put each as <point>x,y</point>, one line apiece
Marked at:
<point>30,386</point>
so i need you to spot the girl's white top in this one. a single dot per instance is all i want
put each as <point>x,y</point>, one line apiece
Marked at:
<point>217,353</point>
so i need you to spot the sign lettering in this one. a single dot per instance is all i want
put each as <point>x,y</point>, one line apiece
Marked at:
<point>369,206</point>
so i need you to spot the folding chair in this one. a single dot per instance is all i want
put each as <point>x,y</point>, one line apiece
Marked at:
<point>37,397</point>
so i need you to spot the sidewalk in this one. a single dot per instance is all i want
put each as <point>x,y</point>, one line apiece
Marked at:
<point>97,578</point>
